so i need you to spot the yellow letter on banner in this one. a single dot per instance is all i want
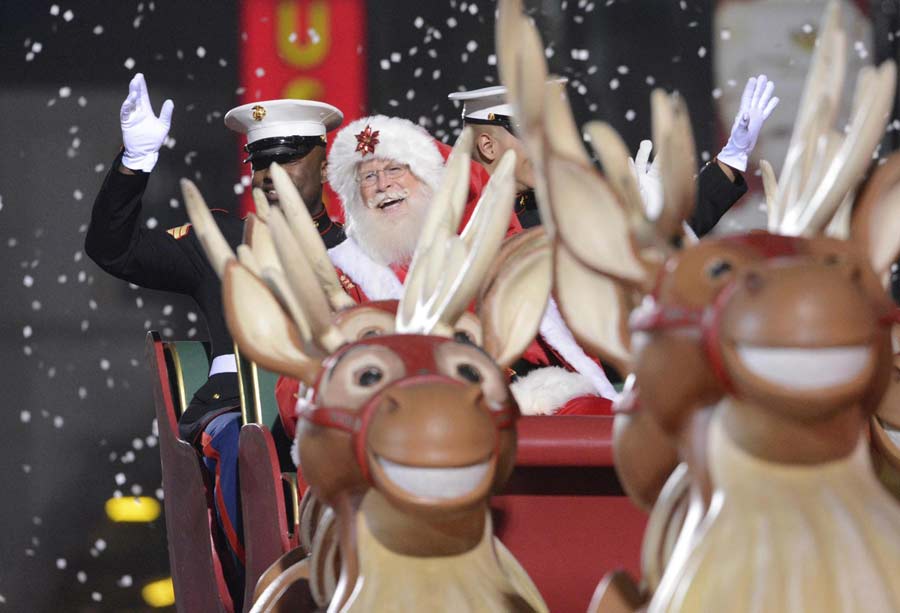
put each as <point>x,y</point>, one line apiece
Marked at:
<point>304,88</point>
<point>307,50</point>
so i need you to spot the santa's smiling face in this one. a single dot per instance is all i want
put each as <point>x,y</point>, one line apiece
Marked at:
<point>387,218</point>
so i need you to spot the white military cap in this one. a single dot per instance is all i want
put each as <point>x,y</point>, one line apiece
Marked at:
<point>489,105</point>
<point>279,127</point>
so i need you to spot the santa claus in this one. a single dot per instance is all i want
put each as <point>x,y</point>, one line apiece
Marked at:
<point>385,171</point>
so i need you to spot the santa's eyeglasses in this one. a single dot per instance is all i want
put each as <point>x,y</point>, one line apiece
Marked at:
<point>370,178</point>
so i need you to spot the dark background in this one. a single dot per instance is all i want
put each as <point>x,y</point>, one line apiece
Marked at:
<point>78,427</point>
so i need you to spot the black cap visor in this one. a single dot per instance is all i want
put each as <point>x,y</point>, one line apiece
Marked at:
<point>504,121</point>
<point>280,149</point>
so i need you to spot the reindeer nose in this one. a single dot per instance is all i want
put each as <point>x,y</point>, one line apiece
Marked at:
<point>848,266</point>
<point>803,302</point>
<point>754,281</point>
<point>433,424</point>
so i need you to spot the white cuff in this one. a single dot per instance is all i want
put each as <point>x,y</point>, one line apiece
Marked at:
<point>222,363</point>
<point>144,162</point>
<point>734,158</point>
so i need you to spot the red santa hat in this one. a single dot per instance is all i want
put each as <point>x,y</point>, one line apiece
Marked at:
<point>380,137</point>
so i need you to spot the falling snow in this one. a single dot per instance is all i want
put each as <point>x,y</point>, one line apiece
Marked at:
<point>426,68</point>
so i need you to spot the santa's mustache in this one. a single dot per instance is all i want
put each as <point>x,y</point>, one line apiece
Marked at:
<point>378,199</point>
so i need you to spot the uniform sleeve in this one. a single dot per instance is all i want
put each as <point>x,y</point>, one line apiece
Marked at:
<point>119,243</point>
<point>715,195</point>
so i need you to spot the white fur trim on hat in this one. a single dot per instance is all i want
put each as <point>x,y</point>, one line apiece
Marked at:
<point>398,139</point>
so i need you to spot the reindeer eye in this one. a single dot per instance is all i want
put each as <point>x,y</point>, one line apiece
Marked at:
<point>469,373</point>
<point>718,268</point>
<point>369,377</point>
<point>369,333</point>
<point>461,336</point>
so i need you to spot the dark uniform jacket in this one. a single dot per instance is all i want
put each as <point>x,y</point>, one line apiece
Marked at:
<point>173,260</point>
<point>715,195</point>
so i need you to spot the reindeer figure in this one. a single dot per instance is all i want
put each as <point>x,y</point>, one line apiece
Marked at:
<point>885,429</point>
<point>784,338</point>
<point>405,430</point>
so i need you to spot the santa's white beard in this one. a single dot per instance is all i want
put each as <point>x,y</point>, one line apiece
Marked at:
<point>389,237</point>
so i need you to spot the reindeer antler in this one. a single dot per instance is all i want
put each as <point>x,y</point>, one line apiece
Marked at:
<point>604,241</point>
<point>258,254</point>
<point>261,203</point>
<point>446,269</point>
<point>674,139</point>
<point>266,335</point>
<point>614,155</point>
<point>306,234</point>
<point>259,239</point>
<point>823,166</point>
<point>304,284</point>
<point>523,70</point>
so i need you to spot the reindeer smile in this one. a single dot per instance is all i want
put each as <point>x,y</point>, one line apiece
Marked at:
<point>432,487</point>
<point>436,483</point>
<point>806,369</point>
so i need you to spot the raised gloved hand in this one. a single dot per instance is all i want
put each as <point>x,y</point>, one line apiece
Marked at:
<point>649,180</point>
<point>757,104</point>
<point>143,133</point>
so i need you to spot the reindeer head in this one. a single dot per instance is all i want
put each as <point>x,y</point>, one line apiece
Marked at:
<point>802,327</point>
<point>400,397</point>
<point>768,317</point>
<point>427,420</point>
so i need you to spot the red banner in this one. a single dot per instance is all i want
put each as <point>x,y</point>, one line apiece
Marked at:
<point>310,49</point>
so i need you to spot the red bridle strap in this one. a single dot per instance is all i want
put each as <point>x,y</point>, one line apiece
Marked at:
<point>356,422</point>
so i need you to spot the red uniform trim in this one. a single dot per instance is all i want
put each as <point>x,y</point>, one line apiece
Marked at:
<point>230,533</point>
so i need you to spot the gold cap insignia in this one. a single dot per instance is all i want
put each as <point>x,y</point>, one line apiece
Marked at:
<point>491,117</point>
<point>259,112</point>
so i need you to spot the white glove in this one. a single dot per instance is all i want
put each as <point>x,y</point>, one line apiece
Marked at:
<point>143,133</point>
<point>756,106</point>
<point>649,180</point>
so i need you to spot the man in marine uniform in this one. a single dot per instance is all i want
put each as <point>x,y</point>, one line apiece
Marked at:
<point>291,132</point>
<point>720,182</point>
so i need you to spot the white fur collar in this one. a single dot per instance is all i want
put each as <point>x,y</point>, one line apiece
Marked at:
<point>377,281</point>
<point>555,332</point>
<point>545,390</point>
